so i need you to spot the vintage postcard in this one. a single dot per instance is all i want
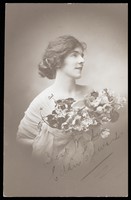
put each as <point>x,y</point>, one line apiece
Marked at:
<point>66,100</point>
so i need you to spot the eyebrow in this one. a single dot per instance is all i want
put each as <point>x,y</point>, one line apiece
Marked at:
<point>78,53</point>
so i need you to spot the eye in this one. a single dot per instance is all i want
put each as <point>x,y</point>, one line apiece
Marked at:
<point>74,54</point>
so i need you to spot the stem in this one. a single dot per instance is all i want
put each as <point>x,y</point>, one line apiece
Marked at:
<point>43,118</point>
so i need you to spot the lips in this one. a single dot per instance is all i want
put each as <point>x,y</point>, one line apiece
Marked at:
<point>79,67</point>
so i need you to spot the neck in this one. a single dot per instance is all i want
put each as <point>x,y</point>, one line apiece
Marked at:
<point>65,83</point>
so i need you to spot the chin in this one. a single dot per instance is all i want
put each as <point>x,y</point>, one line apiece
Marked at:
<point>78,77</point>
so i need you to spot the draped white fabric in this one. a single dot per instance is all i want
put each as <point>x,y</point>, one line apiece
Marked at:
<point>51,145</point>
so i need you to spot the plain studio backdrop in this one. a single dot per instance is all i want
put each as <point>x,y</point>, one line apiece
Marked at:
<point>28,29</point>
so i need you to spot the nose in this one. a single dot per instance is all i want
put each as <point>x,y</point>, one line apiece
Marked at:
<point>81,59</point>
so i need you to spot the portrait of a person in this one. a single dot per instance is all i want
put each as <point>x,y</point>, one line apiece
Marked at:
<point>63,61</point>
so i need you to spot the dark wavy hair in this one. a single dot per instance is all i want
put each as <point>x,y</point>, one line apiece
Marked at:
<point>55,54</point>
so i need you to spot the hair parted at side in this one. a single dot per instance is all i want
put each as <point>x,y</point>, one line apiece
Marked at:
<point>55,53</point>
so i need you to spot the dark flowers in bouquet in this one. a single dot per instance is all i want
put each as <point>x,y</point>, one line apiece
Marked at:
<point>93,111</point>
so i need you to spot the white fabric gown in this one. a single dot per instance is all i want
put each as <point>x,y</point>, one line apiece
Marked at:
<point>61,150</point>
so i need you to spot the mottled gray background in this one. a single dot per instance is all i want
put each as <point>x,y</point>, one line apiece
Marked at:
<point>28,29</point>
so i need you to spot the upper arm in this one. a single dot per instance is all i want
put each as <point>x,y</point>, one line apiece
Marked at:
<point>28,127</point>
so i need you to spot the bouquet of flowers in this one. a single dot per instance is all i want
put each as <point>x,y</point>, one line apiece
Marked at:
<point>94,110</point>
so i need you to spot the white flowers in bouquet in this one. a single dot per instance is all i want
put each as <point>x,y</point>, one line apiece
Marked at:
<point>105,133</point>
<point>95,109</point>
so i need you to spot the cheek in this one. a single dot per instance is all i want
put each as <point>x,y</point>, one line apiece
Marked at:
<point>69,62</point>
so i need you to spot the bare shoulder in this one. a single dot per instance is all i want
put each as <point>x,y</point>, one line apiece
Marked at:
<point>84,89</point>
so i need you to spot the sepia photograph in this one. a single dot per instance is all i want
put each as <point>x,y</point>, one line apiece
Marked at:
<point>66,100</point>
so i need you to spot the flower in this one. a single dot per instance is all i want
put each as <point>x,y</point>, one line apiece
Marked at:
<point>95,94</point>
<point>105,133</point>
<point>94,110</point>
<point>99,109</point>
<point>107,108</point>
